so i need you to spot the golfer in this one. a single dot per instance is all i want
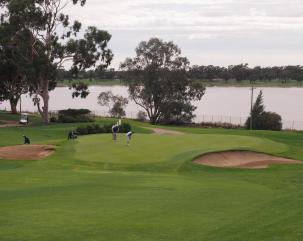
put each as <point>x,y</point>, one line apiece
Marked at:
<point>26,140</point>
<point>128,137</point>
<point>115,130</point>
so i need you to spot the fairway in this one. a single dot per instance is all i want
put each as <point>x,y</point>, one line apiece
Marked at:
<point>94,189</point>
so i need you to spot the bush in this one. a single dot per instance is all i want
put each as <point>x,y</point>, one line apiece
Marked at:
<point>124,128</point>
<point>74,115</point>
<point>74,112</point>
<point>262,120</point>
<point>266,121</point>
<point>141,116</point>
<point>97,129</point>
<point>53,119</point>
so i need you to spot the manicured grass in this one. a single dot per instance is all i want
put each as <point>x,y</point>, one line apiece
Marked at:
<point>93,189</point>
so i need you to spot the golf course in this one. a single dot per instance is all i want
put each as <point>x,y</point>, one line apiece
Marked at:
<point>95,189</point>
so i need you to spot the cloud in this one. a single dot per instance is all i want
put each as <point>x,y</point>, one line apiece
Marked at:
<point>214,27</point>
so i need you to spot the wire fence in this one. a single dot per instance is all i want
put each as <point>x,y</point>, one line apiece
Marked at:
<point>240,120</point>
<point>203,118</point>
<point>234,120</point>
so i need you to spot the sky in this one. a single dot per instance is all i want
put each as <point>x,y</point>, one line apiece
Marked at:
<point>217,32</point>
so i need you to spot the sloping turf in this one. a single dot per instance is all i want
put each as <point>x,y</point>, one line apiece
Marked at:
<point>96,190</point>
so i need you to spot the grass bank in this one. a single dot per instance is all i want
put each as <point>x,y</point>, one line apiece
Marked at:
<point>97,189</point>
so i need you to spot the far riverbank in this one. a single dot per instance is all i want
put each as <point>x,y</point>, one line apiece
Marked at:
<point>231,83</point>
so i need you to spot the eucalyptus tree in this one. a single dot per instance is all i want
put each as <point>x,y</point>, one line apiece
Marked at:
<point>157,81</point>
<point>15,57</point>
<point>55,42</point>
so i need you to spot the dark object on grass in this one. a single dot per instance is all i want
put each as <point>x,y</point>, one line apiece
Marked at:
<point>72,135</point>
<point>26,140</point>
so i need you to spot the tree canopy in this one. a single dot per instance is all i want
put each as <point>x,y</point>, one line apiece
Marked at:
<point>54,41</point>
<point>158,82</point>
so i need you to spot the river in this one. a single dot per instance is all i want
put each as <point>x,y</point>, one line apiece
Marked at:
<point>225,104</point>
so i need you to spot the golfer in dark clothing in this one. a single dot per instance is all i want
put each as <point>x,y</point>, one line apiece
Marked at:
<point>71,135</point>
<point>115,130</point>
<point>26,140</point>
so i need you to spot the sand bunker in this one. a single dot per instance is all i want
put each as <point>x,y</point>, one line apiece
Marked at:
<point>242,159</point>
<point>159,131</point>
<point>26,152</point>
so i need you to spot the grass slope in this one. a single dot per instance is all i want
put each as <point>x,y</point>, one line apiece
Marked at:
<point>95,190</point>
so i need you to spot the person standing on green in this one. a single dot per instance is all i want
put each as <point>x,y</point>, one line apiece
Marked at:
<point>115,130</point>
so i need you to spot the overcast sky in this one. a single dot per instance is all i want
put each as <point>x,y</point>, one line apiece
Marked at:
<point>218,32</point>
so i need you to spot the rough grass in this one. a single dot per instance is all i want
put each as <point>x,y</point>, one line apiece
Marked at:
<point>95,190</point>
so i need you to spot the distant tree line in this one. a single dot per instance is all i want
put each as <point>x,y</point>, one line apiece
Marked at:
<point>95,74</point>
<point>243,72</point>
<point>209,73</point>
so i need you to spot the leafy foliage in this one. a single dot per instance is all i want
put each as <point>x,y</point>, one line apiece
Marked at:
<point>141,116</point>
<point>262,120</point>
<point>101,129</point>
<point>157,80</point>
<point>115,103</point>
<point>74,116</point>
<point>51,48</point>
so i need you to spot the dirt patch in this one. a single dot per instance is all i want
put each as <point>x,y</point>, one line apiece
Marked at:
<point>26,152</point>
<point>159,131</point>
<point>242,159</point>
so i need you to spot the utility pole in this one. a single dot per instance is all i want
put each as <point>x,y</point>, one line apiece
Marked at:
<point>20,104</point>
<point>251,107</point>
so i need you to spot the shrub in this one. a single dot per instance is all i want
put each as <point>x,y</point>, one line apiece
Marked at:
<point>262,120</point>
<point>97,129</point>
<point>266,121</point>
<point>82,130</point>
<point>141,116</point>
<point>53,119</point>
<point>272,121</point>
<point>74,115</point>
<point>124,128</point>
<point>74,112</point>
<point>223,125</point>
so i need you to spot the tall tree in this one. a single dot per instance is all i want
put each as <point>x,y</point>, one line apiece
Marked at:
<point>158,82</point>
<point>14,61</point>
<point>55,42</point>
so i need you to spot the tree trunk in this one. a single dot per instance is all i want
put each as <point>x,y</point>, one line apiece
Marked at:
<point>13,102</point>
<point>45,97</point>
<point>45,108</point>
<point>153,120</point>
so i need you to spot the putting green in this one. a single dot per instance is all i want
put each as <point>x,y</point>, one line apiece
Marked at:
<point>154,149</point>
